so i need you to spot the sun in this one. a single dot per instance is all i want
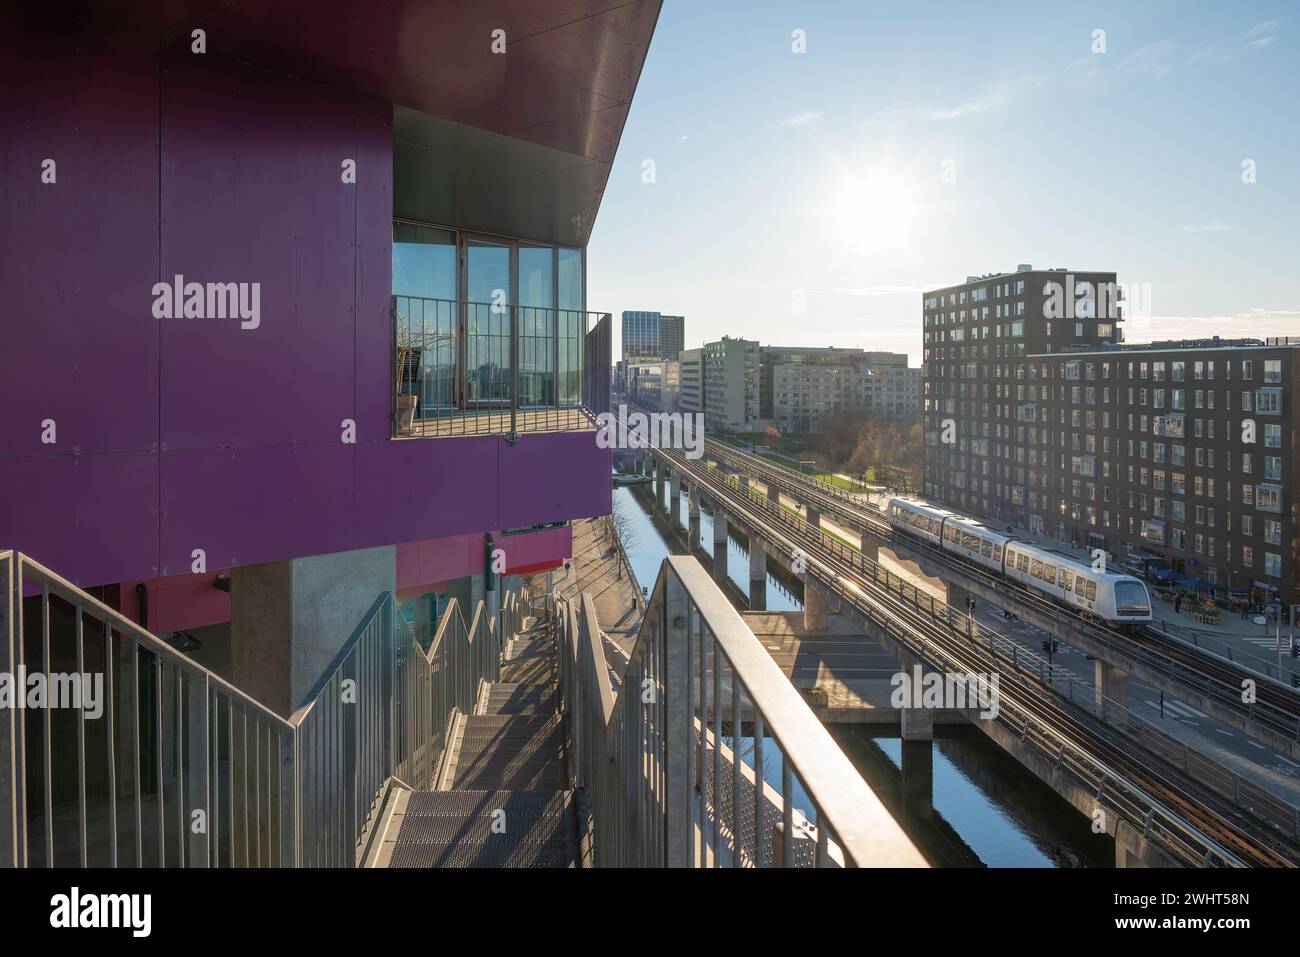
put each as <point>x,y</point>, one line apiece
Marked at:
<point>874,213</point>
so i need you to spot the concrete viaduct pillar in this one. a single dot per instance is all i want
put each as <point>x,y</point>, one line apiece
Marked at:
<point>693,512</point>
<point>757,574</point>
<point>816,605</point>
<point>719,543</point>
<point>812,516</point>
<point>869,546</point>
<point>675,496</point>
<point>1111,687</point>
<point>659,468</point>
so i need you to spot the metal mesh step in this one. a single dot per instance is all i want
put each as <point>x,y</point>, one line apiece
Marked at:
<point>519,699</point>
<point>455,829</point>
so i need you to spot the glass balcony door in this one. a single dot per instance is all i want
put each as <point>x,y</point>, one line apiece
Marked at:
<point>488,291</point>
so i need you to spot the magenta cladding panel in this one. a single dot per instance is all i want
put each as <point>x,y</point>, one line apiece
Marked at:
<point>179,434</point>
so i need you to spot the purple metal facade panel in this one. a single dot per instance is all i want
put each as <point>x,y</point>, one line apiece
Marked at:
<point>237,433</point>
<point>545,477</point>
<point>78,255</point>
<point>253,192</point>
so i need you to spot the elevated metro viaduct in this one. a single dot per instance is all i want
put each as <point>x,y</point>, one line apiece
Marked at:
<point>1135,845</point>
<point>1115,657</point>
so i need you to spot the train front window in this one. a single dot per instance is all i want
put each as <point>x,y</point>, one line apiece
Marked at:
<point>1131,599</point>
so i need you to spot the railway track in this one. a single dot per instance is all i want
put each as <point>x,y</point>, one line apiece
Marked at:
<point>1186,824</point>
<point>1277,705</point>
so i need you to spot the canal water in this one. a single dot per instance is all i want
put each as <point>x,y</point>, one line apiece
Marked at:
<point>986,810</point>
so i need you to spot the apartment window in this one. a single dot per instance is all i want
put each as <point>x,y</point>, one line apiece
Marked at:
<point>1268,498</point>
<point>1272,531</point>
<point>1247,369</point>
<point>1273,564</point>
<point>1268,401</point>
<point>1272,370</point>
<point>1248,556</point>
<point>1273,436</point>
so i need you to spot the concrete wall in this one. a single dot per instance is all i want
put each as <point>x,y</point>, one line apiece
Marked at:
<point>291,618</point>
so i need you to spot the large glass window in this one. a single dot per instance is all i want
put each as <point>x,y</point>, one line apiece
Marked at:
<point>572,322</point>
<point>424,284</point>
<point>537,325</point>
<point>457,300</point>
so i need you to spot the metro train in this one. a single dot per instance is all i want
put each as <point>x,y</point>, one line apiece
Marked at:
<point>1117,600</point>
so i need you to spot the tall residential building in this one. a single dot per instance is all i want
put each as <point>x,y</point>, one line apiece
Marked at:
<point>691,387</point>
<point>803,388</point>
<point>980,451</point>
<point>356,416</point>
<point>1177,455</point>
<point>1184,453</point>
<point>650,335</point>
<point>731,386</point>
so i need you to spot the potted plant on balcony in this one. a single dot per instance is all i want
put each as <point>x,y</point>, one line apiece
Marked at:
<point>405,377</point>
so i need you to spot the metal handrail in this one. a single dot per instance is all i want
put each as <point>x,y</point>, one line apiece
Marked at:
<point>652,758</point>
<point>198,773</point>
<point>482,353</point>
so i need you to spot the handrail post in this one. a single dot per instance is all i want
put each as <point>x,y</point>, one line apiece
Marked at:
<point>678,750</point>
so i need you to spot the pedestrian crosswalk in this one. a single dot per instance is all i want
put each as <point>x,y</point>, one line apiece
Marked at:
<point>1175,709</point>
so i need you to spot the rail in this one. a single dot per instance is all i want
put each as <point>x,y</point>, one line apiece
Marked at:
<point>660,761</point>
<point>158,761</point>
<point>477,368</point>
<point>1275,708</point>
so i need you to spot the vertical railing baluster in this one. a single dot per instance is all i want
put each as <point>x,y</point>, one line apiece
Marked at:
<point>48,728</point>
<point>758,784</point>
<point>787,811</point>
<point>81,739</point>
<point>112,756</point>
<point>717,753</point>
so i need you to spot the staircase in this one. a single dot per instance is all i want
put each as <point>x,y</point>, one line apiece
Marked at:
<point>501,798</point>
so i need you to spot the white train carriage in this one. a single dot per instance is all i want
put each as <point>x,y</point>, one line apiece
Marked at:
<point>918,518</point>
<point>974,541</point>
<point>1115,599</point>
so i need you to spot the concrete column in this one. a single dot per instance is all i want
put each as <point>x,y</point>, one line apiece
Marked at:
<point>757,574</point>
<point>693,513</point>
<point>917,765</point>
<point>816,605</point>
<point>675,496</point>
<point>1111,685</point>
<point>918,724</point>
<point>812,516</point>
<point>719,544</point>
<point>659,468</point>
<point>870,546</point>
<point>289,619</point>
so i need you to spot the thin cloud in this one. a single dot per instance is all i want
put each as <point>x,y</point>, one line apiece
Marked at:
<point>1207,228</point>
<point>802,119</point>
<point>1262,33</point>
<point>889,290</point>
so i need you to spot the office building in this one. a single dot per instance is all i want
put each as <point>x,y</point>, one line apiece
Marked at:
<point>731,384</point>
<point>650,335</point>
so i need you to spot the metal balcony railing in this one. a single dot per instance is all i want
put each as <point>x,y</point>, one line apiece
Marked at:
<point>679,766</point>
<point>475,368</point>
<point>181,768</point>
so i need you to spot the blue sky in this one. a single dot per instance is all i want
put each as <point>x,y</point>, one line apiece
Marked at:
<point>820,176</point>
